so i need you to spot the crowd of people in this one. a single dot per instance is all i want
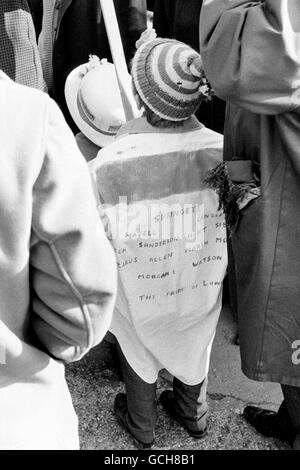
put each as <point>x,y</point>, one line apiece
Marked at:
<point>129,228</point>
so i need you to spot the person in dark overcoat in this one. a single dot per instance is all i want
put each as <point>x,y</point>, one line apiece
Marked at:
<point>251,54</point>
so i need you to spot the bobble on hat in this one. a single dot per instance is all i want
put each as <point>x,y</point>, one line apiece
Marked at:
<point>169,77</point>
<point>196,68</point>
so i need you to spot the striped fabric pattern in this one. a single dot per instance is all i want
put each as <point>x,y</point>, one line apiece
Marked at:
<point>19,57</point>
<point>167,76</point>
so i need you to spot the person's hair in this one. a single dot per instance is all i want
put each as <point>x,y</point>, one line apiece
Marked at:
<point>153,119</point>
<point>156,121</point>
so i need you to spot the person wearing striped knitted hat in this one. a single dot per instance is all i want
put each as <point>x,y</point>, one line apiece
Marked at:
<point>166,311</point>
<point>168,80</point>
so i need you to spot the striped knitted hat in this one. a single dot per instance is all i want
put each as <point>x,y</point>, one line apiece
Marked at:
<point>169,78</point>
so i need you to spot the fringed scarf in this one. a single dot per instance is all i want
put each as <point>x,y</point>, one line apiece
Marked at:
<point>236,184</point>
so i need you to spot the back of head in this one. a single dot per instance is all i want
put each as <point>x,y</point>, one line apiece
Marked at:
<point>168,77</point>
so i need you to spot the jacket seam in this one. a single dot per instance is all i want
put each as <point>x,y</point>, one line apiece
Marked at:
<point>272,272</point>
<point>43,138</point>
<point>80,298</point>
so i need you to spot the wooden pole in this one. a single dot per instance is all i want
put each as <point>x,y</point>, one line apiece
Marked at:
<point>117,52</point>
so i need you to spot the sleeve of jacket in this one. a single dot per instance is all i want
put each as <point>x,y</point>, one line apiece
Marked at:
<point>251,52</point>
<point>73,270</point>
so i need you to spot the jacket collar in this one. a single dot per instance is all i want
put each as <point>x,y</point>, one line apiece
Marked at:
<point>64,5</point>
<point>141,126</point>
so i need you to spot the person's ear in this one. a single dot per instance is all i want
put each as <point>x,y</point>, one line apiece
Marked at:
<point>138,101</point>
<point>136,97</point>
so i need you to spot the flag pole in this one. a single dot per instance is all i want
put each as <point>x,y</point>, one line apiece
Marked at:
<point>117,52</point>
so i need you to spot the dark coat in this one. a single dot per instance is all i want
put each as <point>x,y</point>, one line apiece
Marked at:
<point>81,32</point>
<point>36,8</point>
<point>252,59</point>
<point>179,19</point>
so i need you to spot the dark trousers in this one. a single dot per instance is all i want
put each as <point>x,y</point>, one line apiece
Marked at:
<point>289,413</point>
<point>190,403</point>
